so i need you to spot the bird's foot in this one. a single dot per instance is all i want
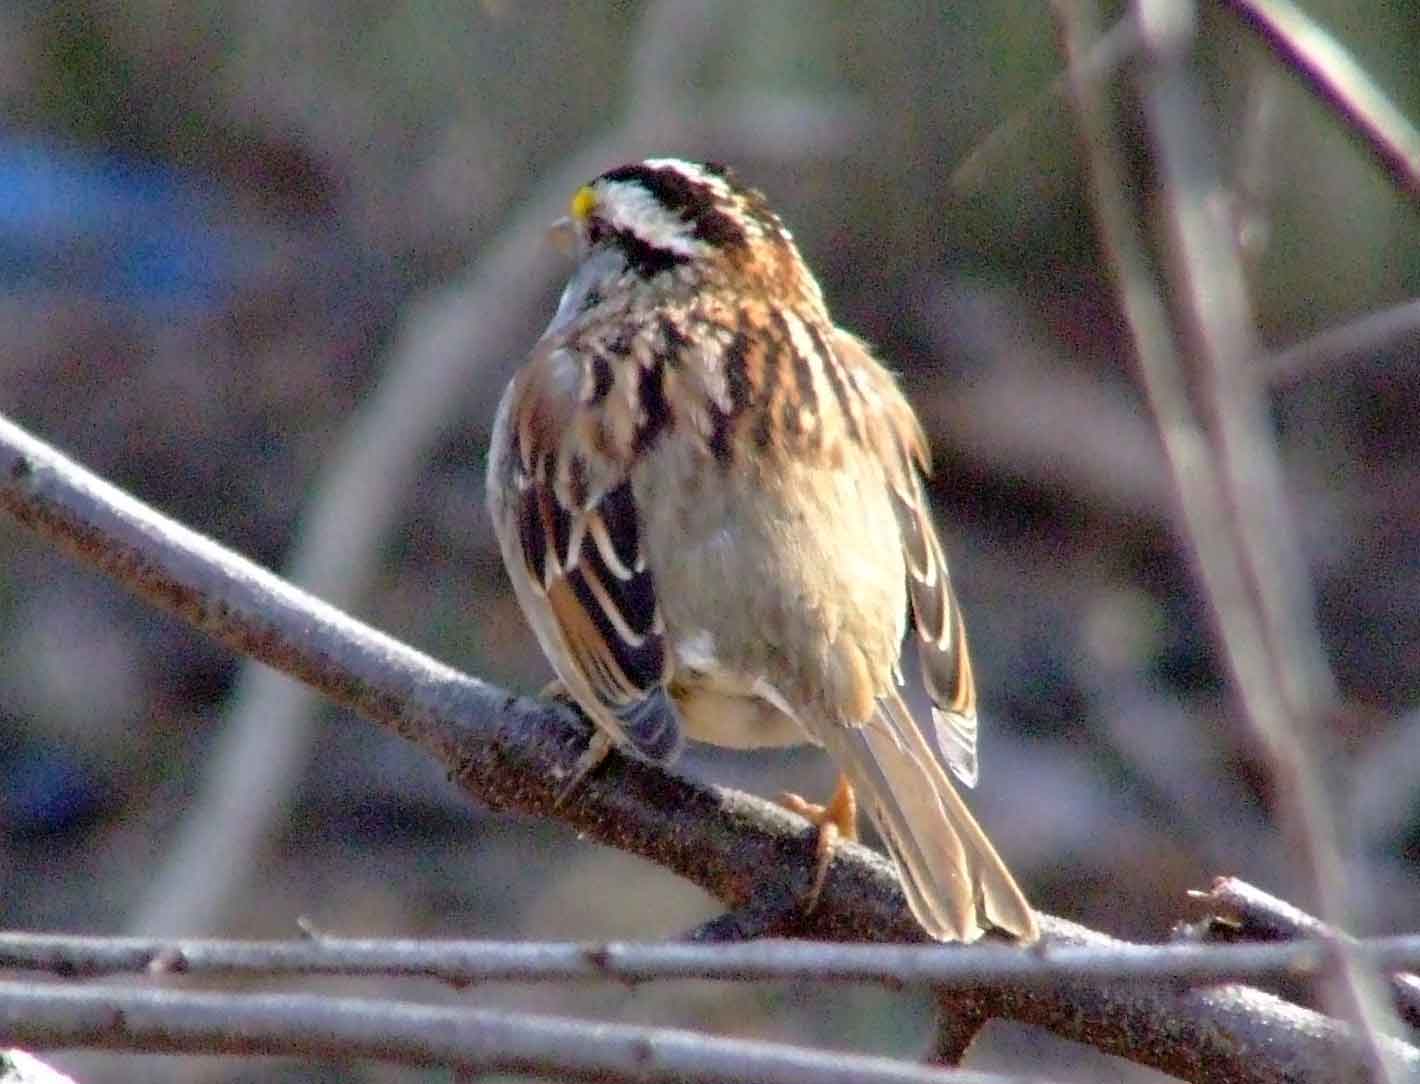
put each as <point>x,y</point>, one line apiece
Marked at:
<point>836,820</point>
<point>597,748</point>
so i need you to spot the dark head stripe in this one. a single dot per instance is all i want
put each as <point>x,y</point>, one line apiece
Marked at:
<point>693,201</point>
<point>651,392</point>
<point>645,257</point>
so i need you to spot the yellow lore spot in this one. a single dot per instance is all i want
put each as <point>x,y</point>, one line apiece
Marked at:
<point>583,202</point>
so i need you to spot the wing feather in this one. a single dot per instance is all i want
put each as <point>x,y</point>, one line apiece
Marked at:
<point>941,640</point>
<point>936,614</point>
<point>574,528</point>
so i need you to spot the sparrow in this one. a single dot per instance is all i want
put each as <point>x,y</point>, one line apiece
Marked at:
<point>709,500</point>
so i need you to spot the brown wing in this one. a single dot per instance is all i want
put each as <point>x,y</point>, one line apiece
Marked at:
<point>936,615</point>
<point>941,636</point>
<point>572,531</point>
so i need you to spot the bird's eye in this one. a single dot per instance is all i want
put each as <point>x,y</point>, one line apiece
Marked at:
<point>596,231</point>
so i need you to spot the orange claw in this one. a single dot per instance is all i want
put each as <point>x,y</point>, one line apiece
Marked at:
<point>834,821</point>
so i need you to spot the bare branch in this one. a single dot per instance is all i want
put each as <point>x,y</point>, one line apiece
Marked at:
<point>980,167</point>
<point>309,1025</point>
<point>1283,676</point>
<point>1248,1035</point>
<point>1315,55</point>
<point>1243,912</point>
<point>1228,482</point>
<point>511,753</point>
<point>1302,45</point>
<point>1391,329</point>
<point>1241,907</point>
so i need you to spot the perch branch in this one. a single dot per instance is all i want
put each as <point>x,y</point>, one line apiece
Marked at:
<point>511,753</point>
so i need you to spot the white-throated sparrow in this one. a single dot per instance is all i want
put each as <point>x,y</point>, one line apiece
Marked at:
<point>708,500</point>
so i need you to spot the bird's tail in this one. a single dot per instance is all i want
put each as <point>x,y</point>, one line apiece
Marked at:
<point>956,884</point>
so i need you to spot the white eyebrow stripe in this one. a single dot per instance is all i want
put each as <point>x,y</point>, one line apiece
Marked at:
<point>692,171</point>
<point>632,209</point>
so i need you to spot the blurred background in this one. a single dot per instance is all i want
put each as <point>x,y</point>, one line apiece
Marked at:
<point>266,263</point>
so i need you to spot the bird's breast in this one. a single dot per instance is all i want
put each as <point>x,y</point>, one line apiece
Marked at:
<point>785,590</point>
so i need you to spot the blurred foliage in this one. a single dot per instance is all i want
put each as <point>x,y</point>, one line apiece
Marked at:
<point>212,216</point>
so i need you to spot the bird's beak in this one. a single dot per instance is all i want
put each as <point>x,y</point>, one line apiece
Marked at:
<point>562,235</point>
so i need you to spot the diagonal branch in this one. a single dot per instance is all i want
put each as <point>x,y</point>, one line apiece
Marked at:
<point>1226,474</point>
<point>1340,82</point>
<point>511,752</point>
<point>1243,912</point>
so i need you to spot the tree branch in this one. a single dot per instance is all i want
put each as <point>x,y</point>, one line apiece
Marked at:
<point>311,1025</point>
<point>1243,912</point>
<point>1284,677</point>
<point>1346,88</point>
<point>1394,329</point>
<point>1226,474</point>
<point>462,963</point>
<point>1212,1034</point>
<point>511,753</point>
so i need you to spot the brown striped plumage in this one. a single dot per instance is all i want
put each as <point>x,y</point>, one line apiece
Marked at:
<point>709,500</point>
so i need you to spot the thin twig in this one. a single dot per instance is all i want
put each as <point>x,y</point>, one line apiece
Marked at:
<point>1303,46</point>
<point>464,962</point>
<point>1283,676</point>
<point>1230,503</point>
<point>1395,328</point>
<point>308,1025</point>
<point>1243,912</point>
<point>980,166</point>
<point>1314,54</point>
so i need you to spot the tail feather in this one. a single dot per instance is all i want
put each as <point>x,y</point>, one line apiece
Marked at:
<point>956,884</point>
